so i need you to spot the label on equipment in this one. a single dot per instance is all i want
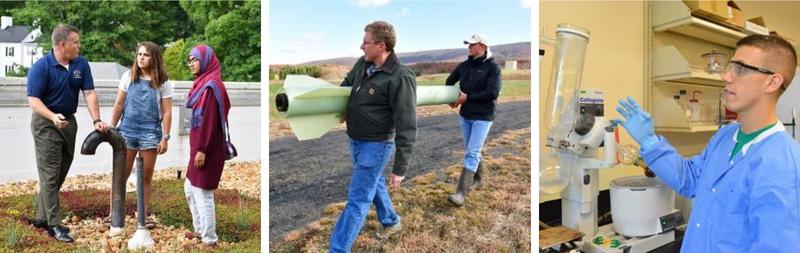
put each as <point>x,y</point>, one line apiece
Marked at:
<point>591,102</point>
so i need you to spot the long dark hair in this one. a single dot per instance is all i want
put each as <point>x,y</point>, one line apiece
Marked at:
<point>158,74</point>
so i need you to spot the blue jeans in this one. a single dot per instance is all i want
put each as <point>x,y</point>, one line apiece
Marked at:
<point>140,138</point>
<point>474,132</point>
<point>367,187</point>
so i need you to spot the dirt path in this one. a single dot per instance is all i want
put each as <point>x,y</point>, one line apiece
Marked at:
<point>307,176</point>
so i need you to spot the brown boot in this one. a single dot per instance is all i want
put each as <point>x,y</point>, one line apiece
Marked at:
<point>464,184</point>
<point>476,181</point>
<point>386,232</point>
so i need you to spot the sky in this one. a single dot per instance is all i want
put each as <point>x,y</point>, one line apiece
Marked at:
<point>302,31</point>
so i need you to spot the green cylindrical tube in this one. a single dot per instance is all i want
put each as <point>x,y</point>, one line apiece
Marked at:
<point>298,98</point>
<point>314,106</point>
<point>299,105</point>
<point>436,95</point>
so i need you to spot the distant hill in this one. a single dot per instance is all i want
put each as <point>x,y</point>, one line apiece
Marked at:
<point>513,51</point>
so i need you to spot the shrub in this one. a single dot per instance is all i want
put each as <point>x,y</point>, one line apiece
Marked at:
<point>18,206</point>
<point>17,236</point>
<point>310,70</point>
<point>238,217</point>
<point>169,203</point>
<point>250,245</point>
<point>93,203</point>
<point>18,70</point>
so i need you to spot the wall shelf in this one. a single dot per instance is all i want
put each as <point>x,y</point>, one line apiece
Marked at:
<point>670,65</point>
<point>689,129</point>
<point>675,16</point>
<point>676,42</point>
<point>671,118</point>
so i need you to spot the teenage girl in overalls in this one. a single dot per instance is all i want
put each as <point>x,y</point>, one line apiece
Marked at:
<point>144,102</point>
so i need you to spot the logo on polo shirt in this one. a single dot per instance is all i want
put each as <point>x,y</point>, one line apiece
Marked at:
<point>77,74</point>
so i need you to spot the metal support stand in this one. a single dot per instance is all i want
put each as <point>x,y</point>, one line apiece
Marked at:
<point>141,239</point>
<point>579,200</point>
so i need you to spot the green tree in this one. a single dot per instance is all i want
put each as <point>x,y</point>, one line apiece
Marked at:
<point>8,8</point>
<point>110,30</point>
<point>202,12</point>
<point>175,56</point>
<point>233,30</point>
<point>236,38</point>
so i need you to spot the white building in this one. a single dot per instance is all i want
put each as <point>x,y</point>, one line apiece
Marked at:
<point>17,45</point>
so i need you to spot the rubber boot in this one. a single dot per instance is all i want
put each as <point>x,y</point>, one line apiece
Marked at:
<point>464,183</point>
<point>476,181</point>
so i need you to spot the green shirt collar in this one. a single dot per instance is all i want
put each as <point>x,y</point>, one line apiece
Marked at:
<point>744,140</point>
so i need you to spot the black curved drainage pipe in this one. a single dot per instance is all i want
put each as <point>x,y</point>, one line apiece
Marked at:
<point>118,171</point>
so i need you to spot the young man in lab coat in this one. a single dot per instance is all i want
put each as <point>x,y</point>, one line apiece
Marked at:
<point>745,182</point>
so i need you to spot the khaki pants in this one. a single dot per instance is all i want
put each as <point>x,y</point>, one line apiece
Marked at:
<point>55,149</point>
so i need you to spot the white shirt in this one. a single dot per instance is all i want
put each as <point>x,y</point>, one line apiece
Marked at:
<point>166,91</point>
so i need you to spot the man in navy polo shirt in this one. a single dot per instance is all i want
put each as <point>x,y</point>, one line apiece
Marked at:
<point>53,85</point>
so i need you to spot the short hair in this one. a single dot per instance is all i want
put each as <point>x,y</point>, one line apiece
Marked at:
<point>61,33</point>
<point>777,47</point>
<point>382,32</point>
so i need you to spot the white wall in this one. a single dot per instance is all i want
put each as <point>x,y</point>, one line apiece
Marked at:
<point>789,101</point>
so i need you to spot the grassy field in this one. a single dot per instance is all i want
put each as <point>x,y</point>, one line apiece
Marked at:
<point>515,84</point>
<point>495,218</point>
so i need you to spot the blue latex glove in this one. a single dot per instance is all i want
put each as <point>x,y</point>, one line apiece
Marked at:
<point>638,123</point>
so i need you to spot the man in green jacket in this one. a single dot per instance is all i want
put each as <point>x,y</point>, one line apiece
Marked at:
<point>381,113</point>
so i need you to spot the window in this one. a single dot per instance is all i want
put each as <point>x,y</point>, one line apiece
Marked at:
<point>9,51</point>
<point>8,69</point>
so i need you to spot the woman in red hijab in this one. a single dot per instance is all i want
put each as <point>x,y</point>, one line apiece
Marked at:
<point>210,105</point>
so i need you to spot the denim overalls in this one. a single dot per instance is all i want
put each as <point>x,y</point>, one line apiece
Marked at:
<point>141,117</point>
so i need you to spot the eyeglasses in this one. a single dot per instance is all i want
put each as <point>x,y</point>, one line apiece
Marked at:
<point>740,68</point>
<point>370,42</point>
<point>191,60</point>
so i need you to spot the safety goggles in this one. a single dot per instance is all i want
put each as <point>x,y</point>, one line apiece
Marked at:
<point>738,68</point>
